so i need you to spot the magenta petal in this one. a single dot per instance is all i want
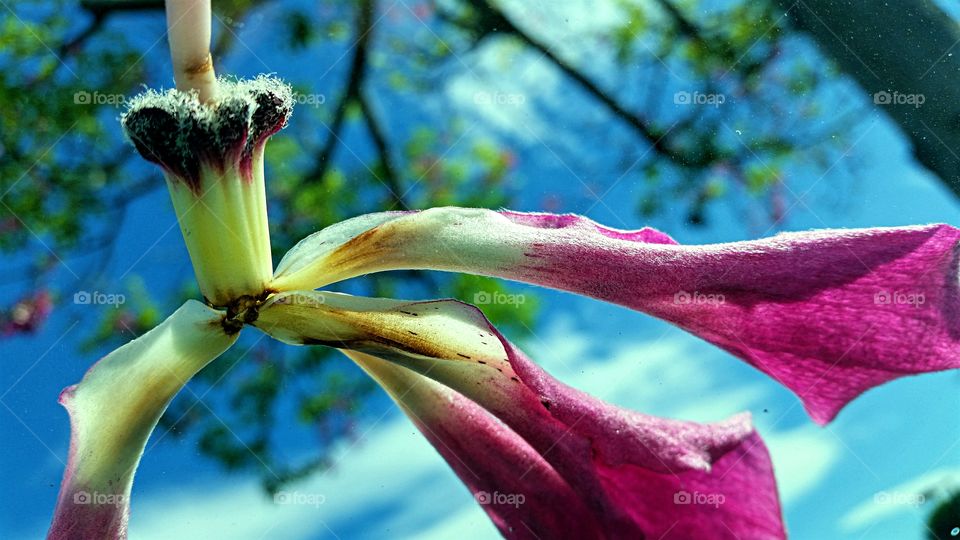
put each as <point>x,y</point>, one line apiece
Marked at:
<point>828,313</point>
<point>624,467</point>
<point>672,479</point>
<point>640,476</point>
<point>519,491</point>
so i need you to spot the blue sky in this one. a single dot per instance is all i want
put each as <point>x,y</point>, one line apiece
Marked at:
<point>894,441</point>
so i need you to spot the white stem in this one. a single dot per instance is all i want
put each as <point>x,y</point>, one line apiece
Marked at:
<point>188,29</point>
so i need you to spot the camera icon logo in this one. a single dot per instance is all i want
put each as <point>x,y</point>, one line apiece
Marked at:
<point>81,497</point>
<point>882,98</point>
<point>82,297</point>
<point>81,97</point>
<point>682,297</point>
<point>682,98</point>
<point>482,497</point>
<point>482,297</point>
<point>681,497</point>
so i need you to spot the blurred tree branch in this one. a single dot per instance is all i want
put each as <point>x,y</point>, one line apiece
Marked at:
<point>904,47</point>
<point>351,90</point>
<point>103,7</point>
<point>491,20</point>
<point>354,94</point>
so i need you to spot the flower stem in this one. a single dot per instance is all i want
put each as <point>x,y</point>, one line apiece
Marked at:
<point>188,29</point>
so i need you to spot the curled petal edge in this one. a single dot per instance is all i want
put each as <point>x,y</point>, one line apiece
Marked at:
<point>114,409</point>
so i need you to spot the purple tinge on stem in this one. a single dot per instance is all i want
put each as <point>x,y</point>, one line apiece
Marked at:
<point>827,313</point>
<point>84,510</point>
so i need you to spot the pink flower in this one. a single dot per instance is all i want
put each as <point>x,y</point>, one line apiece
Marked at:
<point>28,314</point>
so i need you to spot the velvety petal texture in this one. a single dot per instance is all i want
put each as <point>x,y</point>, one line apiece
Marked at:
<point>114,409</point>
<point>637,476</point>
<point>827,313</point>
<point>515,486</point>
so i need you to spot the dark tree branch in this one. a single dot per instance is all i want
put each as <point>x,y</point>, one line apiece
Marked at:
<point>377,134</point>
<point>353,94</point>
<point>494,20</point>
<point>652,135</point>
<point>490,20</point>
<point>70,46</point>
<point>136,190</point>
<point>920,63</point>
<point>501,23</point>
<point>103,7</point>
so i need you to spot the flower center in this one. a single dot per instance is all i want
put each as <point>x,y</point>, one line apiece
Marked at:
<point>244,310</point>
